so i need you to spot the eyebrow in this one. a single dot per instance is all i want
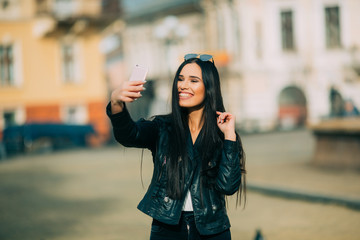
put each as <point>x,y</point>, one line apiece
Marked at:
<point>191,77</point>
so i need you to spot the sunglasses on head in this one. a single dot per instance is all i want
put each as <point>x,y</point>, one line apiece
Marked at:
<point>202,57</point>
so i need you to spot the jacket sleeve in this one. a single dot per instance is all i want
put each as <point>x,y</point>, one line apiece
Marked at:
<point>229,175</point>
<point>140,134</point>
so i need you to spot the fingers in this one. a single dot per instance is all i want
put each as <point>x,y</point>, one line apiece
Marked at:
<point>223,116</point>
<point>128,92</point>
<point>226,123</point>
<point>128,99</point>
<point>131,95</point>
<point>134,89</point>
<point>135,83</point>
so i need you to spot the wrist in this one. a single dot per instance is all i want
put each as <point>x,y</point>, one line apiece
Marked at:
<point>116,106</point>
<point>230,136</point>
<point>117,103</point>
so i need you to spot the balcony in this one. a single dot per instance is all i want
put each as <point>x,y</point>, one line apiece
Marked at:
<point>54,17</point>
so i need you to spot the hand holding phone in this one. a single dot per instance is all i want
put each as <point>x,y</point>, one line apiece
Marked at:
<point>138,73</point>
<point>130,90</point>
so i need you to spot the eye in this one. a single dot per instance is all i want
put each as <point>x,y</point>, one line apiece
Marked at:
<point>194,80</point>
<point>180,79</point>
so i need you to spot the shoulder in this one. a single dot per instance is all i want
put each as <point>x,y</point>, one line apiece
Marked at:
<point>163,122</point>
<point>162,119</point>
<point>159,120</point>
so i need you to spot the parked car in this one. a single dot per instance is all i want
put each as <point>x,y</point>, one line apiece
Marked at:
<point>45,136</point>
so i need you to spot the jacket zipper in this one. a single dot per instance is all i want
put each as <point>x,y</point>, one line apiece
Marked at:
<point>188,230</point>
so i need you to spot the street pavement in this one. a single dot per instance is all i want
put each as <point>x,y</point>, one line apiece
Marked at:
<point>285,168</point>
<point>93,194</point>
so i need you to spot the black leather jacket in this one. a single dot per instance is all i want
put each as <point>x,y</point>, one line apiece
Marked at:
<point>210,213</point>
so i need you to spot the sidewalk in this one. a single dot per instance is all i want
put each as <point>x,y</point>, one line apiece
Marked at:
<point>93,193</point>
<point>279,164</point>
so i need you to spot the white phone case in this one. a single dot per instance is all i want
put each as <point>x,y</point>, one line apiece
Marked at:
<point>138,73</point>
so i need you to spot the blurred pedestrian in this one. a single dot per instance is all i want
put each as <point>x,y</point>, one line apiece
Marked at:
<point>258,235</point>
<point>197,154</point>
<point>350,109</point>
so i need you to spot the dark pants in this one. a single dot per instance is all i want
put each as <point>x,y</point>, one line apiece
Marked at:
<point>185,230</point>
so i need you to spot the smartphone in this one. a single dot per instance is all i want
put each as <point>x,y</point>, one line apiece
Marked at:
<point>138,73</point>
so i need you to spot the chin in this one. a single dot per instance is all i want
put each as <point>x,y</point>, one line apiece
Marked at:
<point>186,105</point>
<point>189,105</point>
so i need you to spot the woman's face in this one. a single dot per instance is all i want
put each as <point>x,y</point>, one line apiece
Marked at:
<point>191,87</point>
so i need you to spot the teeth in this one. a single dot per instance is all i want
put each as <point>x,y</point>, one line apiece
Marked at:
<point>184,94</point>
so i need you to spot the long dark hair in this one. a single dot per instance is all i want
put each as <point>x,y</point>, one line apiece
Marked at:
<point>210,136</point>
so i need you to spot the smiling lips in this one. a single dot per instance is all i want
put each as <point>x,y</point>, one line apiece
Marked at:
<point>185,95</point>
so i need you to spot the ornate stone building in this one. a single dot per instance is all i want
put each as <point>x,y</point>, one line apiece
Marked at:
<point>288,58</point>
<point>51,69</point>
<point>284,63</point>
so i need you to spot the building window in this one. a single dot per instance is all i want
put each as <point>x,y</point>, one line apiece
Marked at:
<point>75,114</point>
<point>71,115</point>
<point>258,33</point>
<point>10,9</point>
<point>332,24</point>
<point>111,7</point>
<point>42,6</point>
<point>287,30</point>
<point>65,8</point>
<point>68,69</point>
<point>220,31</point>
<point>236,29</point>
<point>9,119</point>
<point>6,66</point>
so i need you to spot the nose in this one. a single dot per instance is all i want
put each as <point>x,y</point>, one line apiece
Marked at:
<point>183,84</point>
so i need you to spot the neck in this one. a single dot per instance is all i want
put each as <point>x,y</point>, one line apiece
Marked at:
<point>195,119</point>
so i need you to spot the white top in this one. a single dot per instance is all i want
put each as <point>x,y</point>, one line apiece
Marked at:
<point>188,207</point>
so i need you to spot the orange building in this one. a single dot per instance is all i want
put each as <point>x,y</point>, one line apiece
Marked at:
<point>51,69</point>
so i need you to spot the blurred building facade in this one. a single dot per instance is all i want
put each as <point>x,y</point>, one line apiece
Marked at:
<point>155,34</point>
<point>283,64</point>
<point>288,58</point>
<point>51,67</point>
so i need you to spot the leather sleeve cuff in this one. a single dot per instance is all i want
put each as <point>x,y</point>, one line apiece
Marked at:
<point>118,120</point>
<point>231,146</point>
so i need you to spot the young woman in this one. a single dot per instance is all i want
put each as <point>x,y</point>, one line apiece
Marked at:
<point>198,157</point>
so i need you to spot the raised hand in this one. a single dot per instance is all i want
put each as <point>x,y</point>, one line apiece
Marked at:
<point>226,124</point>
<point>128,92</point>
